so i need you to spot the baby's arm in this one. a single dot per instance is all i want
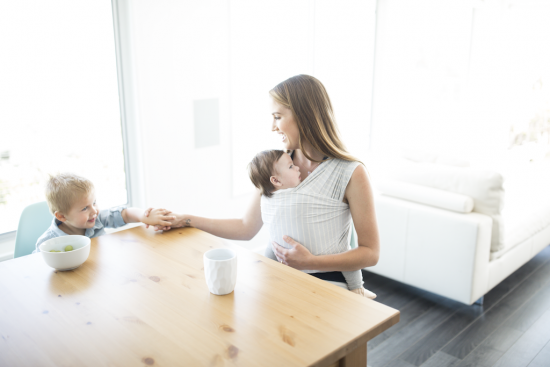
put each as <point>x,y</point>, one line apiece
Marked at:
<point>156,217</point>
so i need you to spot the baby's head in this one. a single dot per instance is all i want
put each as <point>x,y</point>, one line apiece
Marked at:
<point>273,170</point>
<point>71,199</point>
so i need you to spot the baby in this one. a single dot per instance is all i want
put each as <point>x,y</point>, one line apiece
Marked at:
<point>72,202</point>
<point>274,170</point>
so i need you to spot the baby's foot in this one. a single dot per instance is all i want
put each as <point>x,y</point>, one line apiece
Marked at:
<point>364,292</point>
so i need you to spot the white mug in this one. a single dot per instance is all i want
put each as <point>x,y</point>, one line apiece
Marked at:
<point>220,270</point>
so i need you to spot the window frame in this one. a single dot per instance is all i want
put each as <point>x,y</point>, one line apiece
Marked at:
<point>131,128</point>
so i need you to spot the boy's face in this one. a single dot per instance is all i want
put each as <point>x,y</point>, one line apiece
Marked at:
<point>83,213</point>
<point>287,174</point>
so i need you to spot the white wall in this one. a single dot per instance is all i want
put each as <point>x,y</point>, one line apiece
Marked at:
<point>236,51</point>
<point>272,41</point>
<point>181,54</point>
<point>343,61</point>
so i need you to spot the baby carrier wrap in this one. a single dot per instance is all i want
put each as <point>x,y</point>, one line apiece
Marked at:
<point>314,214</point>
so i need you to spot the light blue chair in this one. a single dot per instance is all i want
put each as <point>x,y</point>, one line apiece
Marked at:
<point>34,221</point>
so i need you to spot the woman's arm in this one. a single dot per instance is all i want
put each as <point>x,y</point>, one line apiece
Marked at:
<point>244,228</point>
<point>359,196</point>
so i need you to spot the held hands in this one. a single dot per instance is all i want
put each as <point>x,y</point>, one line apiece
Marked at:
<point>297,257</point>
<point>158,218</point>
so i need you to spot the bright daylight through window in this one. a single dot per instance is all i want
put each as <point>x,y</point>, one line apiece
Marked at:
<point>60,104</point>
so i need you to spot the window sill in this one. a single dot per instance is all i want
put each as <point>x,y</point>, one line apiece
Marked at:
<point>6,256</point>
<point>7,245</point>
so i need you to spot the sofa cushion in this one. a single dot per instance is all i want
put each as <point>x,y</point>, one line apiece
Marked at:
<point>426,195</point>
<point>485,187</point>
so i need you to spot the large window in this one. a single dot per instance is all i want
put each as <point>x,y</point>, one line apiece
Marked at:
<point>511,70</point>
<point>59,109</point>
<point>469,79</point>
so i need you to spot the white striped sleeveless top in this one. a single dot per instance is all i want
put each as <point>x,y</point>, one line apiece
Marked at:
<point>314,214</point>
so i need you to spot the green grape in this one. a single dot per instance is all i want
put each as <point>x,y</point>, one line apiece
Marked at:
<point>53,251</point>
<point>68,248</point>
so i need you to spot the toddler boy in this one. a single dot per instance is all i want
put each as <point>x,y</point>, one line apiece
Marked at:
<point>72,202</point>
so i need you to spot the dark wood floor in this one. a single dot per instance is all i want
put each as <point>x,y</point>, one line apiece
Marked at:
<point>512,328</point>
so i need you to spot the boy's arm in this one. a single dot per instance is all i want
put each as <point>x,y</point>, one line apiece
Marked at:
<point>45,236</point>
<point>156,217</point>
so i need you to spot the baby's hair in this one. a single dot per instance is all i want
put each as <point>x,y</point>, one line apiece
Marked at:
<point>63,189</point>
<point>261,168</point>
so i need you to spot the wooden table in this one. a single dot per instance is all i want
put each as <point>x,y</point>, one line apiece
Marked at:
<point>141,299</point>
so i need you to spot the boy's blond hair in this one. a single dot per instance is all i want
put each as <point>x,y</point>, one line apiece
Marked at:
<point>63,189</point>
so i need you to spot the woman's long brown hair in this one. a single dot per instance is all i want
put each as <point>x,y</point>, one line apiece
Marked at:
<point>310,104</point>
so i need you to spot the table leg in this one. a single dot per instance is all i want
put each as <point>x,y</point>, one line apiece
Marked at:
<point>356,358</point>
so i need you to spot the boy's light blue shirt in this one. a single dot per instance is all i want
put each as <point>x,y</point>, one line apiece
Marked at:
<point>108,218</point>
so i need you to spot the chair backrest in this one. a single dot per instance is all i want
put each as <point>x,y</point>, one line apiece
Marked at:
<point>34,221</point>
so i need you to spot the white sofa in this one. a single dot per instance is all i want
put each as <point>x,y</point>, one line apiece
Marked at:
<point>446,229</point>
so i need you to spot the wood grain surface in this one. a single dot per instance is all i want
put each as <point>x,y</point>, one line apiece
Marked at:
<point>141,299</point>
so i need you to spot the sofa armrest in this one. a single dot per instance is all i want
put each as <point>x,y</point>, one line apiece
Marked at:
<point>484,186</point>
<point>426,195</point>
<point>438,250</point>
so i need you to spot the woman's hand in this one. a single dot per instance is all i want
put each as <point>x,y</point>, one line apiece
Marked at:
<point>297,257</point>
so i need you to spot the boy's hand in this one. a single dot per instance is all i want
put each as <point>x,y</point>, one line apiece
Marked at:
<point>158,217</point>
<point>157,227</point>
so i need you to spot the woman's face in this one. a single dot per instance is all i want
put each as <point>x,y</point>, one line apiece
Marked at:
<point>285,125</point>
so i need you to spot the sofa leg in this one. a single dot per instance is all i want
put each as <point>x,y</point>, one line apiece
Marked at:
<point>479,302</point>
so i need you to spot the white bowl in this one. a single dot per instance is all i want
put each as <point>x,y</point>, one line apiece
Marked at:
<point>65,260</point>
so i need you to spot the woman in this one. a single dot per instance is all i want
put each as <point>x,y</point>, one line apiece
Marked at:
<point>303,116</point>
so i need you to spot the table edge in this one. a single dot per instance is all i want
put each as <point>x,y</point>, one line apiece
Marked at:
<point>356,342</point>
